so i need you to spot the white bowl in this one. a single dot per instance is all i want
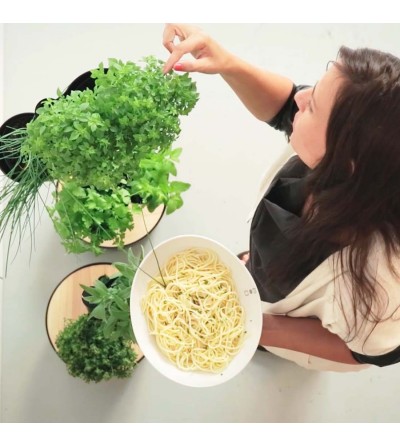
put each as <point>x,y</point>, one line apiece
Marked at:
<point>247,293</point>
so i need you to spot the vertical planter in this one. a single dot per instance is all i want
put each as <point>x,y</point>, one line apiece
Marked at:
<point>119,129</point>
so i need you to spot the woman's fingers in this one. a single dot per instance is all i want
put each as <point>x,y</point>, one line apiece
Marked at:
<point>209,57</point>
<point>173,30</point>
<point>170,32</point>
<point>199,66</point>
<point>192,44</point>
<point>245,258</point>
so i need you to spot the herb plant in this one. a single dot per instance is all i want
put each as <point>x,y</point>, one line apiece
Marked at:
<point>111,143</point>
<point>103,145</point>
<point>112,303</point>
<point>90,355</point>
<point>102,136</point>
<point>89,213</point>
<point>20,192</point>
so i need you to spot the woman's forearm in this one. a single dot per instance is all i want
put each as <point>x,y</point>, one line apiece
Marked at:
<point>304,335</point>
<point>262,92</point>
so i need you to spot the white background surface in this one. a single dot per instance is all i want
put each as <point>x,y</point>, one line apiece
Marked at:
<point>1,205</point>
<point>225,151</point>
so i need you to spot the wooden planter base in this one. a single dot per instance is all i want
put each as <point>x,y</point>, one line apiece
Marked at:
<point>66,301</point>
<point>141,222</point>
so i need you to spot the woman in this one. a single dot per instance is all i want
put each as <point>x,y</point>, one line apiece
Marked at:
<point>325,237</point>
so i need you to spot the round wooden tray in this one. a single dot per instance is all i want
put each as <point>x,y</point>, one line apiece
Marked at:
<point>66,301</point>
<point>141,221</point>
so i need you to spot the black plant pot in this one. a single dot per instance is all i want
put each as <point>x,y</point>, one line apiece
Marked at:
<point>136,199</point>
<point>80,84</point>
<point>7,164</point>
<point>107,281</point>
<point>10,165</point>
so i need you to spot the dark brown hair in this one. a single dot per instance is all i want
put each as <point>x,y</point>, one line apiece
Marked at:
<point>356,186</point>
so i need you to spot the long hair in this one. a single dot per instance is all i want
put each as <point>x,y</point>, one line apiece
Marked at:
<point>356,186</point>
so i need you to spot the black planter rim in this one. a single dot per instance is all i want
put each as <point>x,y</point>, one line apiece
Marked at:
<point>82,82</point>
<point>109,284</point>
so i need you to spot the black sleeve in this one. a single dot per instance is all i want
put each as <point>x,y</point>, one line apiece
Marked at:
<point>284,119</point>
<point>390,358</point>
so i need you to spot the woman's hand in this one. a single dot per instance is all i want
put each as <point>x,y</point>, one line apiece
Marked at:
<point>210,57</point>
<point>263,93</point>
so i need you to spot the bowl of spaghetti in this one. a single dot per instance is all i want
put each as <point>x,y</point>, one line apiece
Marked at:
<point>196,311</point>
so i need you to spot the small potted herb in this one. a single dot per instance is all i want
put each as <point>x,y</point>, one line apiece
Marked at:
<point>90,355</point>
<point>99,345</point>
<point>25,175</point>
<point>96,216</point>
<point>108,299</point>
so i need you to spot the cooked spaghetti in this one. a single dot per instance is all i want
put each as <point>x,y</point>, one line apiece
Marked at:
<point>197,319</point>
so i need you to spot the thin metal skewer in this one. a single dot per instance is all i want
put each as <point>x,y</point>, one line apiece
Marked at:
<point>155,254</point>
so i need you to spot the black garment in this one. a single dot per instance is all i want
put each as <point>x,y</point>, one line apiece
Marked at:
<point>271,229</point>
<point>283,121</point>
<point>278,213</point>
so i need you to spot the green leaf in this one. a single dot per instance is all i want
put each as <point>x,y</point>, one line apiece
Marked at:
<point>134,260</point>
<point>173,204</point>
<point>121,304</point>
<point>119,313</point>
<point>93,292</point>
<point>125,269</point>
<point>109,326</point>
<point>179,186</point>
<point>93,299</point>
<point>175,154</point>
<point>99,312</point>
<point>101,287</point>
<point>90,354</point>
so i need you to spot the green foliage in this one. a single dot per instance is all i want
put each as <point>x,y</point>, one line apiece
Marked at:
<point>81,212</point>
<point>104,145</point>
<point>153,184</point>
<point>18,197</point>
<point>112,303</point>
<point>102,136</point>
<point>92,356</point>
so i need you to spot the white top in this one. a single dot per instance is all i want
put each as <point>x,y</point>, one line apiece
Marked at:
<point>330,300</point>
